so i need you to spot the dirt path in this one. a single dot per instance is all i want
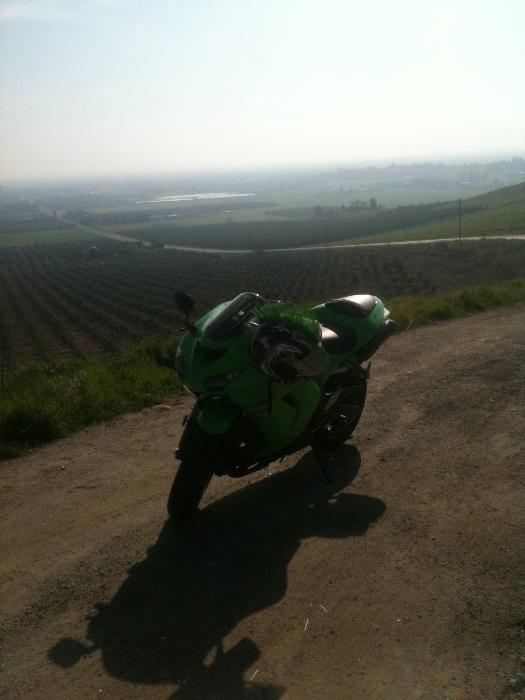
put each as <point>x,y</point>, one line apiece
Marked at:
<point>404,580</point>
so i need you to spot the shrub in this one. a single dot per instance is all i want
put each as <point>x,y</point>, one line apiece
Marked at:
<point>30,424</point>
<point>410,311</point>
<point>44,401</point>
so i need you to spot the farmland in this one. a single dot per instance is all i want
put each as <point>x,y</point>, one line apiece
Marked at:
<point>74,299</point>
<point>499,212</point>
<point>273,209</point>
<point>52,235</point>
<point>495,213</point>
<point>25,224</point>
<point>65,294</point>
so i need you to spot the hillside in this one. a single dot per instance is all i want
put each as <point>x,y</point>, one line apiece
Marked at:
<point>494,213</point>
<point>514,194</point>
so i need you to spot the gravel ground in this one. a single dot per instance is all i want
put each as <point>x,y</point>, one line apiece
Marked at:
<point>404,579</point>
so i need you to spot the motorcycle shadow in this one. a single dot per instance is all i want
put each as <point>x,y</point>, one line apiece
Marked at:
<point>198,583</point>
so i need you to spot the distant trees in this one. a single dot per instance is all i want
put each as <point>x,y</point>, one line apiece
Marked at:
<point>357,205</point>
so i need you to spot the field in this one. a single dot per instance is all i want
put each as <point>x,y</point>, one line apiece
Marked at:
<point>70,300</point>
<point>58,235</point>
<point>25,224</point>
<point>500,212</point>
<point>65,295</point>
<point>272,209</point>
<point>495,213</point>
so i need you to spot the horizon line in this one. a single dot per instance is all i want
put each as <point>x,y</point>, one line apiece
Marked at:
<point>479,158</point>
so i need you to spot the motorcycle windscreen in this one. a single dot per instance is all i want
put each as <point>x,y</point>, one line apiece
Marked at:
<point>229,322</point>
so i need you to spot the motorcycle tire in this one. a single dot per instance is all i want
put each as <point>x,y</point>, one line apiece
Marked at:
<point>192,478</point>
<point>346,415</point>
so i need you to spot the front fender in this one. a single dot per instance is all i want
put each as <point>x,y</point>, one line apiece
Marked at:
<point>216,415</point>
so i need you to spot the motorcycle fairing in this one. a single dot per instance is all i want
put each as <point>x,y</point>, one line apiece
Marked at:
<point>279,413</point>
<point>216,415</point>
<point>280,418</point>
<point>292,406</point>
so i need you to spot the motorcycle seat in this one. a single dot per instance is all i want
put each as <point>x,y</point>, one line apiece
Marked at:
<point>336,341</point>
<point>355,306</point>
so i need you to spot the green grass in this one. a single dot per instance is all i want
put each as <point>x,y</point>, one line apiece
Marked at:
<point>412,311</point>
<point>43,402</point>
<point>392,195</point>
<point>45,236</point>
<point>503,213</point>
<point>233,216</point>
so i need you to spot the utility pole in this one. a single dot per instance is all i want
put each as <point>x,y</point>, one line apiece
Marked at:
<point>459,222</point>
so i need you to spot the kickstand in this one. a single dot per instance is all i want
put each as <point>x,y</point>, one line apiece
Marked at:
<point>320,462</point>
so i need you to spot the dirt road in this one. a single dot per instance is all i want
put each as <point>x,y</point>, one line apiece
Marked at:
<point>402,580</point>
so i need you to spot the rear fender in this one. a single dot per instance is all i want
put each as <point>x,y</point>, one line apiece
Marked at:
<point>366,351</point>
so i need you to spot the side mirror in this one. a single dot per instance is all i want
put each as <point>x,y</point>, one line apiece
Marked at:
<point>185,304</point>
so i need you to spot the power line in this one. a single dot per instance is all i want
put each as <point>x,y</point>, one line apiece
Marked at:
<point>459,221</point>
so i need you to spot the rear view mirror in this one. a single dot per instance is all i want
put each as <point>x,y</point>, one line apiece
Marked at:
<point>185,304</point>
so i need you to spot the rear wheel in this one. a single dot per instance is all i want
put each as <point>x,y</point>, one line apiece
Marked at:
<point>192,478</point>
<point>345,414</point>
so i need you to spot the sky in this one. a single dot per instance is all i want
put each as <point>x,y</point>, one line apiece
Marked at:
<point>102,87</point>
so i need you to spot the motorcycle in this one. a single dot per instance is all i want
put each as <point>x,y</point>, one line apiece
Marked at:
<point>250,412</point>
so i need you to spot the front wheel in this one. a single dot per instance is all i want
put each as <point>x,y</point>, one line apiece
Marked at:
<point>192,478</point>
<point>345,414</point>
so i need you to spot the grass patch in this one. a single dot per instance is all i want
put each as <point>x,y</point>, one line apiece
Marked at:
<point>411,311</point>
<point>503,213</point>
<point>43,402</point>
<point>23,238</point>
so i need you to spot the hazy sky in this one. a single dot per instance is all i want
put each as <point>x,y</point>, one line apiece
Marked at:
<point>118,86</point>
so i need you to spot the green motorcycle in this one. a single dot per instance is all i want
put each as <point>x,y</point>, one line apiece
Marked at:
<point>269,379</point>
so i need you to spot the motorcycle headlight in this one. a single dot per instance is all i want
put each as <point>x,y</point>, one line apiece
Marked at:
<point>219,381</point>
